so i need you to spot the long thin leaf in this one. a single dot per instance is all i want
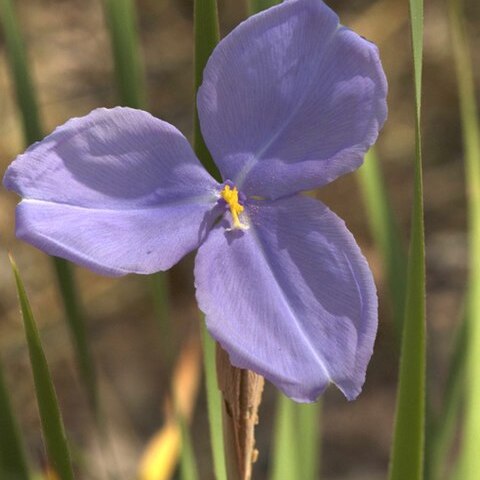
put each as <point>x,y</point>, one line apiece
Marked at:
<point>206,37</point>
<point>255,6</point>
<point>285,452</point>
<point>121,20</point>
<point>77,329</point>
<point>407,458</point>
<point>188,465</point>
<point>17,57</point>
<point>214,404</point>
<point>296,441</point>
<point>160,291</point>
<point>52,424</point>
<point>27,103</point>
<point>13,465</point>
<point>469,466</point>
<point>442,430</point>
<point>385,233</point>
<point>308,440</point>
<point>76,325</point>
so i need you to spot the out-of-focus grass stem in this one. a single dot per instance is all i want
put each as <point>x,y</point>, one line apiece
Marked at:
<point>309,440</point>
<point>214,404</point>
<point>188,465</point>
<point>28,106</point>
<point>285,455</point>
<point>385,233</point>
<point>469,462</point>
<point>66,285</point>
<point>407,455</point>
<point>17,57</point>
<point>255,6</point>
<point>121,20</point>
<point>13,464</point>
<point>442,429</point>
<point>296,440</point>
<point>160,292</point>
<point>206,33</point>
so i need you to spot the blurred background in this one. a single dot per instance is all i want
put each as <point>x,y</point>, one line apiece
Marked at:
<point>69,49</point>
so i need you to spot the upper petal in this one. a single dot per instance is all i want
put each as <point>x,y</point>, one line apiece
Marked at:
<point>117,157</point>
<point>292,298</point>
<point>290,100</point>
<point>117,191</point>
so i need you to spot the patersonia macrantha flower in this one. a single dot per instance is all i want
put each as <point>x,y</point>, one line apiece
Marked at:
<point>290,101</point>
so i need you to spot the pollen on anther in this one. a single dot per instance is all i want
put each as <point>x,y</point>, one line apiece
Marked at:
<point>230,195</point>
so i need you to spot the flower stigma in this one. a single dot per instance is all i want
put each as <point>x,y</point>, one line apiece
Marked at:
<point>230,195</point>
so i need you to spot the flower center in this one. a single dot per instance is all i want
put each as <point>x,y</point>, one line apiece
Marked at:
<point>230,195</point>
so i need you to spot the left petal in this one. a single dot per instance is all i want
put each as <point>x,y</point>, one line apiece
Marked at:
<point>292,298</point>
<point>116,191</point>
<point>115,242</point>
<point>291,100</point>
<point>116,158</point>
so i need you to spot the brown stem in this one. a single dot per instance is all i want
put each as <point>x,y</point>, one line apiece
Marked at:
<point>242,394</point>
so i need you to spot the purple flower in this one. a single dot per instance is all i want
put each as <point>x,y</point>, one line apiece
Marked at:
<point>290,101</point>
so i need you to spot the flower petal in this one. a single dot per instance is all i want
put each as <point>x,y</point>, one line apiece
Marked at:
<point>292,298</point>
<point>117,191</point>
<point>290,100</point>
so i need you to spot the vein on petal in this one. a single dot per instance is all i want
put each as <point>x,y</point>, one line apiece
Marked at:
<point>290,310</point>
<point>199,199</point>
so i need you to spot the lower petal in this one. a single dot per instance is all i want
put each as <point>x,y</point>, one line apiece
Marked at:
<point>116,242</point>
<point>292,298</point>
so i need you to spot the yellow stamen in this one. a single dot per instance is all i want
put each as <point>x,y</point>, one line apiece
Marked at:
<point>231,197</point>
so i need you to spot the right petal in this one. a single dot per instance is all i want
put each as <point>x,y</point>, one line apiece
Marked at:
<point>117,191</point>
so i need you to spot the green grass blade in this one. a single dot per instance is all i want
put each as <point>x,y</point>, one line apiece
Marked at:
<point>121,20</point>
<point>188,464</point>
<point>160,294</point>
<point>17,57</point>
<point>469,465</point>
<point>285,452</point>
<point>255,6</point>
<point>28,106</point>
<point>214,403</point>
<point>296,442</point>
<point>52,425</point>
<point>407,456</point>
<point>385,233</point>
<point>206,37</point>
<point>441,434</point>
<point>308,440</point>
<point>76,325</point>
<point>13,465</point>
